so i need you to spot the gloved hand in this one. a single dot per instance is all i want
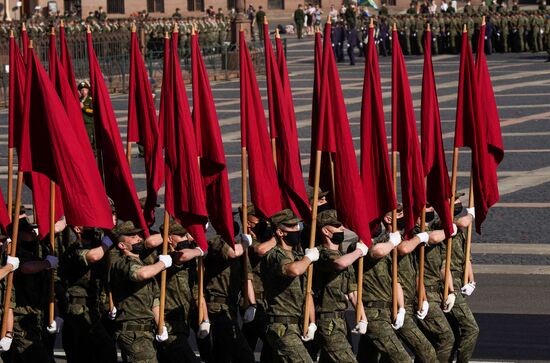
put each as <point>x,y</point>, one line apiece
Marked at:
<point>53,261</point>
<point>471,211</point>
<point>204,329</point>
<point>201,251</point>
<point>360,328</point>
<point>55,326</point>
<point>312,254</point>
<point>249,313</point>
<point>424,311</point>
<point>449,303</point>
<point>14,261</point>
<point>163,336</point>
<point>246,240</point>
<point>424,237</point>
<point>112,313</point>
<point>5,344</point>
<point>400,319</point>
<point>311,329</point>
<point>363,247</point>
<point>468,289</point>
<point>395,238</point>
<point>166,260</point>
<point>455,230</point>
<point>106,242</point>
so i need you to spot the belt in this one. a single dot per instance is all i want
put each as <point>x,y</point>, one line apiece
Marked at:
<point>433,288</point>
<point>378,304</point>
<point>331,315</point>
<point>136,327</point>
<point>218,300</point>
<point>284,319</point>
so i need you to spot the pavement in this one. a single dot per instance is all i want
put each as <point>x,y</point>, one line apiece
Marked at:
<point>512,256</point>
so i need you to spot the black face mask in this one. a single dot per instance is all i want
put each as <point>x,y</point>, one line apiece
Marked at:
<point>262,231</point>
<point>182,245</point>
<point>458,209</point>
<point>324,207</point>
<point>91,234</point>
<point>400,223</point>
<point>337,238</point>
<point>430,216</point>
<point>293,238</point>
<point>138,248</point>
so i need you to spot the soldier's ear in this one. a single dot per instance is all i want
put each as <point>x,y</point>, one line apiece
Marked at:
<point>325,231</point>
<point>121,246</point>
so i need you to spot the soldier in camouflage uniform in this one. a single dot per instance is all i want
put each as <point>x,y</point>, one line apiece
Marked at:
<point>223,283</point>
<point>460,316</point>
<point>87,106</point>
<point>10,264</point>
<point>135,295</point>
<point>419,32</point>
<point>83,269</point>
<point>333,284</point>
<point>285,268</point>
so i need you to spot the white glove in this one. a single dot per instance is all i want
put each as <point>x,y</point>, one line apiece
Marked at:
<point>246,240</point>
<point>468,289</point>
<point>311,329</point>
<point>106,241</point>
<point>424,237</point>
<point>249,314</point>
<point>424,311</point>
<point>363,248</point>
<point>201,251</point>
<point>53,261</point>
<point>449,303</point>
<point>14,261</point>
<point>204,329</point>
<point>313,255</point>
<point>55,326</point>
<point>5,344</point>
<point>166,260</point>
<point>360,328</point>
<point>112,313</point>
<point>455,230</point>
<point>395,238</point>
<point>472,212</point>
<point>400,319</point>
<point>162,337</point>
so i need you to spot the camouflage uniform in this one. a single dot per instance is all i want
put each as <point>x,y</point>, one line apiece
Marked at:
<point>88,115</point>
<point>461,317</point>
<point>330,288</point>
<point>85,338</point>
<point>223,283</point>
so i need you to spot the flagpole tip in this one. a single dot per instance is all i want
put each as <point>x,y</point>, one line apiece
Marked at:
<point>428,28</point>
<point>317,30</point>
<point>23,27</point>
<point>175,30</point>
<point>329,20</point>
<point>53,31</point>
<point>30,44</point>
<point>133,27</point>
<point>483,20</point>
<point>11,33</point>
<point>193,29</point>
<point>265,20</point>
<point>62,23</point>
<point>166,36</point>
<point>277,35</point>
<point>88,29</point>
<point>371,25</point>
<point>241,29</point>
<point>465,29</point>
<point>394,27</point>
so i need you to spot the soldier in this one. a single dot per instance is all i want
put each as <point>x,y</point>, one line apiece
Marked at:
<point>459,315</point>
<point>338,38</point>
<point>11,264</point>
<point>135,294</point>
<point>353,42</point>
<point>84,268</point>
<point>407,24</point>
<point>333,284</point>
<point>468,9</point>
<point>285,267</point>
<point>537,24</point>
<point>522,30</point>
<point>435,29</point>
<point>177,15</point>
<point>504,26</point>
<point>299,18</point>
<point>419,31</point>
<point>260,17</point>
<point>86,104</point>
<point>223,283</point>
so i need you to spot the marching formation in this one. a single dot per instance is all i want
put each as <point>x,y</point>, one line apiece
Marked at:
<point>95,266</point>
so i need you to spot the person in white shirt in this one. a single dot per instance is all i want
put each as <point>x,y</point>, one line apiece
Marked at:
<point>444,6</point>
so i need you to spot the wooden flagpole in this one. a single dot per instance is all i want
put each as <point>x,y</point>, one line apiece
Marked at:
<point>421,256</point>
<point>163,273</point>
<point>244,188</point>
<point>10,182</point>
<point>450,240</point>
<point>200,264</point>
<point>52,251</point>
<point>394,228</point>
<point>467,249</point>
<point>128,142</point>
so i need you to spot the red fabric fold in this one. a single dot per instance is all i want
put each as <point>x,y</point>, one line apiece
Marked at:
<point>66,62</point>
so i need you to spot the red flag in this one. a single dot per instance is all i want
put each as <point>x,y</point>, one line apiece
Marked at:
<point>469,131</point>
<point>489,117</point>
<point>143,127</point>
<point>17,94</point>
<point>289,168</point>
<point>118,178</point>
<point>185,196</point>
<point>269,64</point>
<point>375,165</point>
<point>54,150</point>
<point>438,187</point>
<point>66,61</point>
<point>405,140</point>
<point>264,189</point>
<point>349,200</point>
<point>210,148</point>
<point>4,217</point>
<point>24,41</point>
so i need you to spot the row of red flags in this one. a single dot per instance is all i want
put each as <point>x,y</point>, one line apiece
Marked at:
<point>52,143</point>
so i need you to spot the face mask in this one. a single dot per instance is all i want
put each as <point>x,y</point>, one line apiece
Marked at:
<point>138,248</point>
<point>91,234</point>
<point>458,209</point>
<point>182,245</point>
<point>322,208</point>
<point>400,223</point>
<point>337,238</point>
<point>430,216</point>
<point>293,238</point>
<point>262,231</point>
